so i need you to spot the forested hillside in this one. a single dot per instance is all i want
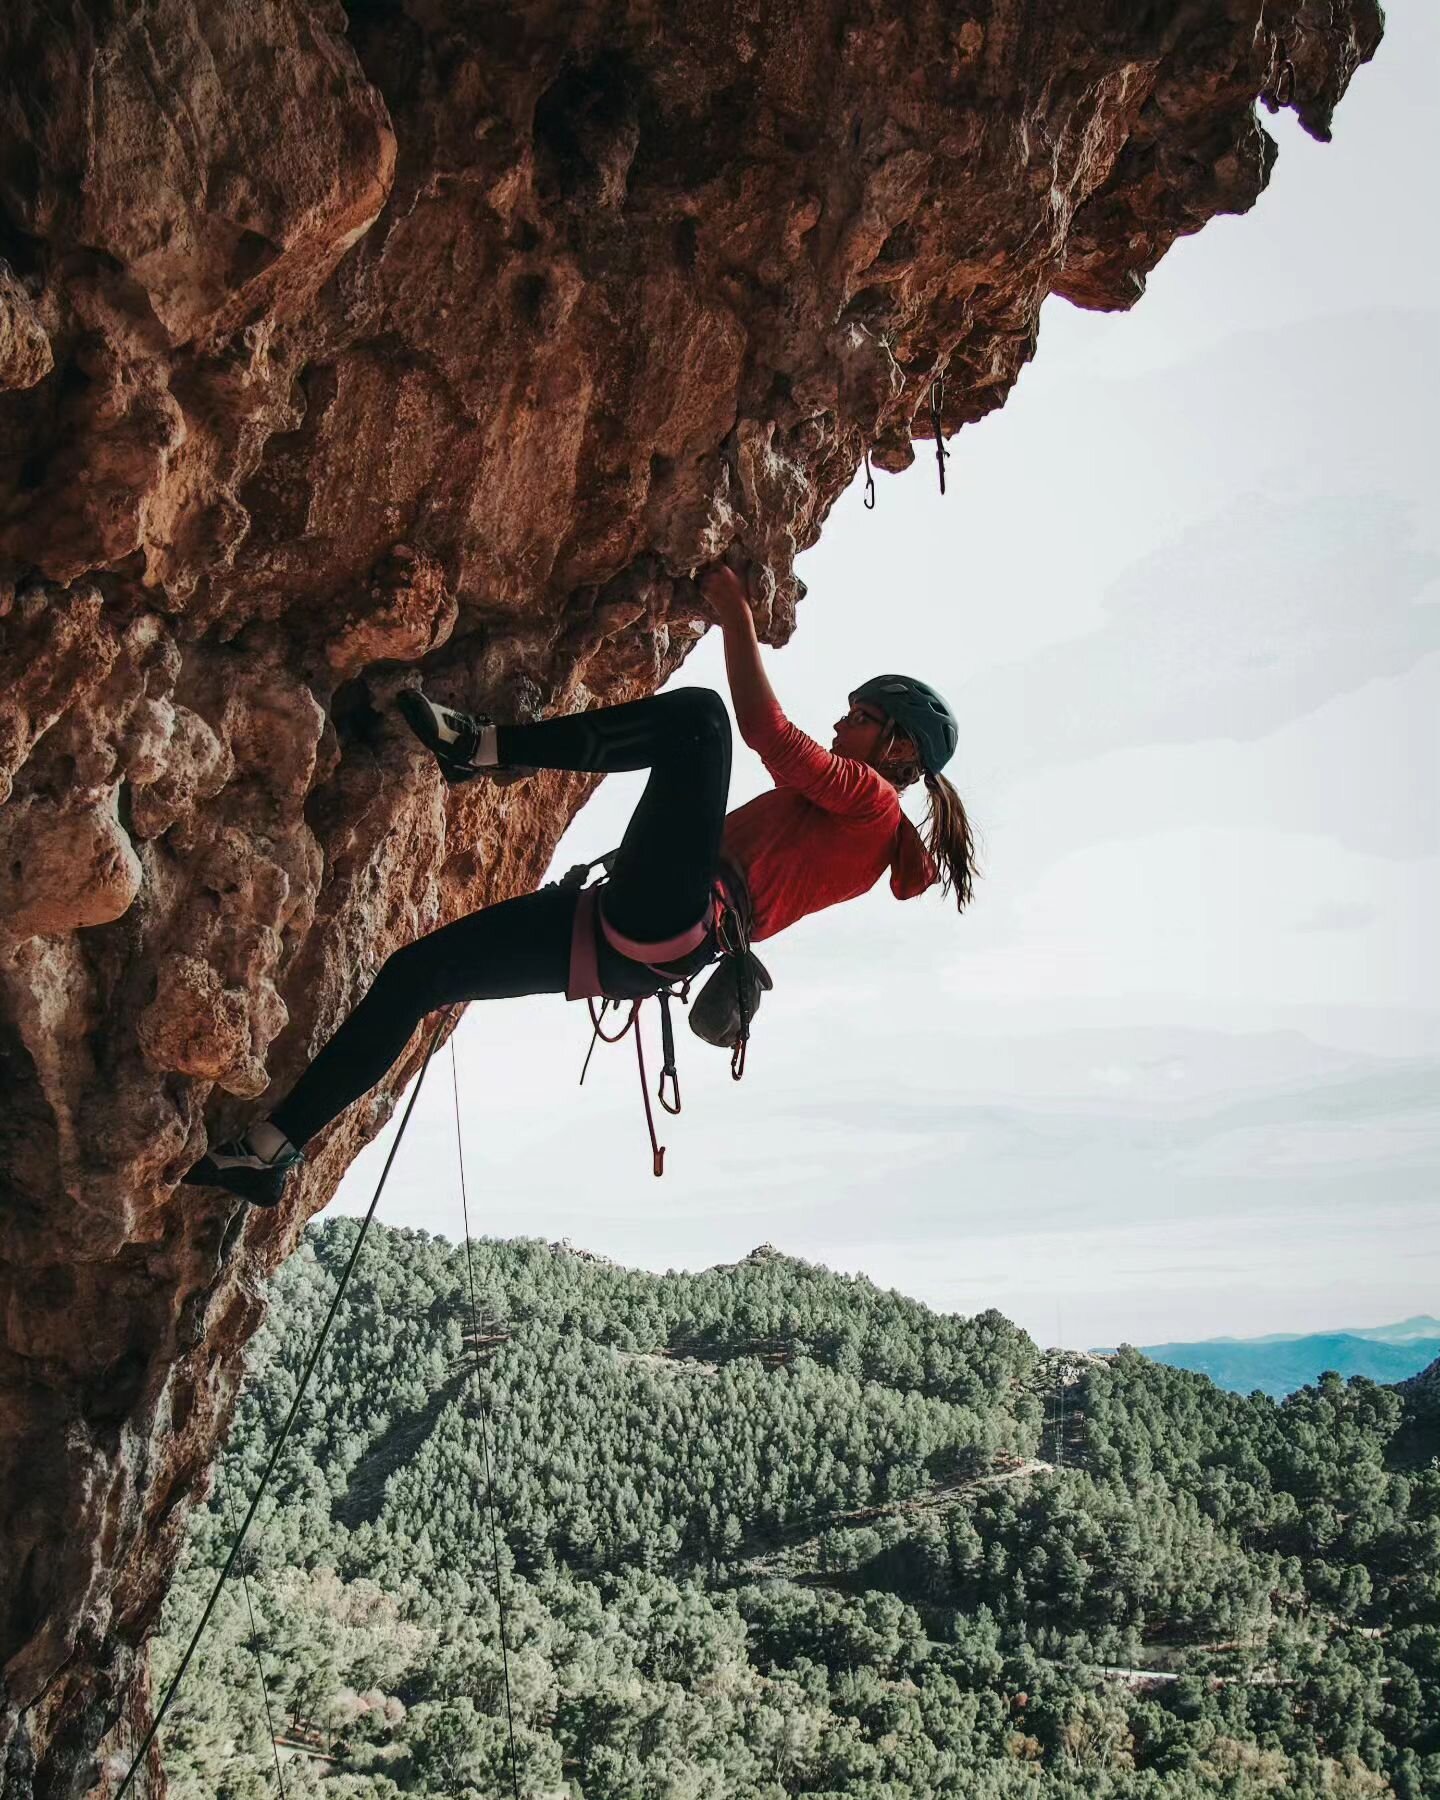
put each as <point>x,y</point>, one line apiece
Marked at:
<point>769,1531</point>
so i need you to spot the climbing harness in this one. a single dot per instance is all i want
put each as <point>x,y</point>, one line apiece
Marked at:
<point>869,485</point>
<point>727,919</point>
<point>937,407</point>
<point>290,1417</point>
<point>589,922</point>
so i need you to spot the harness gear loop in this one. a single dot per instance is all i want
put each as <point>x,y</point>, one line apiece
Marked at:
<point>869,485</point>
<point>599,1035</point>
<point>937,404</point>
<point>598,1021</point>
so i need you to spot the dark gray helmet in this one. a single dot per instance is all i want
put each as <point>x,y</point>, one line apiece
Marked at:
<point>919,711</point>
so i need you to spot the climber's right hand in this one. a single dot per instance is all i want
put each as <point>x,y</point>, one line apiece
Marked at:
<point>723,592</point>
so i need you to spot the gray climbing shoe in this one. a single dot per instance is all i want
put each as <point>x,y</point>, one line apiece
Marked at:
<point>451,737</point>
<point>238,1169</point>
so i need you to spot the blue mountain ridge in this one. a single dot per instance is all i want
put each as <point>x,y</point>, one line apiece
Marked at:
<point>1278,1365</point>
<point>1404,1331</point>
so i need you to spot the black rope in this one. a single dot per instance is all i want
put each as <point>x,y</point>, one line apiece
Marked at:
<point>484,1430</point>
<point>255,1646</point>
<point>869,485</point>
<point>290,1417</point>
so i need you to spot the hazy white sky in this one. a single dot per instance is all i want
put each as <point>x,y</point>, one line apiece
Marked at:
<point>1175,1073</point>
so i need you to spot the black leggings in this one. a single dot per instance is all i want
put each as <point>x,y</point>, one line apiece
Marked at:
<point>660,887</point>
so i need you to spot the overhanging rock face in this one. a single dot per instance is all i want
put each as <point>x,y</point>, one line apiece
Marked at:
<point>447,333</point>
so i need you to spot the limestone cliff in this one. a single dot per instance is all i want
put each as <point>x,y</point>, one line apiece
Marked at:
<point>335,340</point>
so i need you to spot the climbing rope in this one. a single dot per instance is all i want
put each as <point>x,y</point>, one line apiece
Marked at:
<point>255,1646</point>
<point>869,485</point>
<point>484,1431</point>
<point>290,1418</point>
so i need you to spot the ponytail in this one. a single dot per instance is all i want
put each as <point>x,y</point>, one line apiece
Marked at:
<point>947,832</point>
<point>950,841</point>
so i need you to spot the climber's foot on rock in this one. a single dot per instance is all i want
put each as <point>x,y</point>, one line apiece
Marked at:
<point>451,737</point>
<point>455,739</point>
<point>240,1169</point>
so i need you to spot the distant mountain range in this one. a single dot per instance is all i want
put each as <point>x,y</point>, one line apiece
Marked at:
<point>1284,1361</point>
<point>1407,1331</point>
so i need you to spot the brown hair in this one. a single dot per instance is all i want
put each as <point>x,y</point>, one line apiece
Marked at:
<point>947,832</point>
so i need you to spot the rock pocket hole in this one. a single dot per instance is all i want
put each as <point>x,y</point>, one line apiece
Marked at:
<point>355,718</point>
<point>251,255</point>
<point>529,294</point>
<point>577,116</point>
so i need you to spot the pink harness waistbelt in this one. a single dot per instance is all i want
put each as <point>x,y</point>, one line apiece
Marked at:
<point>584,982</point>
<point>667,949</point>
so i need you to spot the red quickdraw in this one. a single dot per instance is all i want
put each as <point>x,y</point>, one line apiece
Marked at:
<point>668,1072</point>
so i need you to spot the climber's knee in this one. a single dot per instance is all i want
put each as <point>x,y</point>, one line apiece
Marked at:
<point>703,713</point>
<point>408,983</point>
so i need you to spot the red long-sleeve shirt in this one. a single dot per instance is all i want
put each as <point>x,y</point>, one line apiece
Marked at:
<point>826,832</point>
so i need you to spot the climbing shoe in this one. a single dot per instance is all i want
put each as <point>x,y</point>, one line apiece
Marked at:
<point>452,737</point>
<point>240,1170</point>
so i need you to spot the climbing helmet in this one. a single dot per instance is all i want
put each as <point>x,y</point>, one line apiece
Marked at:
<point>919,711</point>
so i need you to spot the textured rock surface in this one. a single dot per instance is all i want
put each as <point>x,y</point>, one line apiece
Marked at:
<point>330,344</point>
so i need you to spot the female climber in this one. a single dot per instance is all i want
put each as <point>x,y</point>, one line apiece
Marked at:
<point>826,832</point>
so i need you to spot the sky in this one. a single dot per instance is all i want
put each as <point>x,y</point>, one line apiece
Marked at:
<point>1174,1074</point>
